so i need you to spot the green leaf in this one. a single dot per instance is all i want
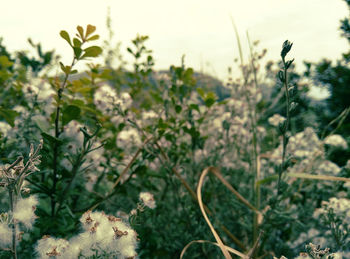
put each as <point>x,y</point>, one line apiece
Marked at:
<point>51,139</point>
<point>65,36</point>
<point>95,37</point>
<point>5,62</point>
<point>89,29</point>
<point>130,51</point>
<point>92,52</point>
<point>201,92</point>
<point>178,108</point>
<point>63,68</point>
<point>81,32</point>
<point>77,42</point>
<point>71,112</point>
<point>9,116</point>
<point>77,52</point>
<point>210,99</point>
<point>194,107</point>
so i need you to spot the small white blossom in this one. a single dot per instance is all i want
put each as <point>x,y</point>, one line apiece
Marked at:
<point>276,119</point>
<point>148,199</point>
<point>336,140</point>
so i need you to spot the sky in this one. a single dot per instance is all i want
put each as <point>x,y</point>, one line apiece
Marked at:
<point>200,29</point>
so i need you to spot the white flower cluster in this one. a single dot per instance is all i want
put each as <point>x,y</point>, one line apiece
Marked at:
<point>148,199</point>
<point>336,141</point>
<point>303,145</point>
<point>5,231</point>
<point>74,135</point>
<point>24,211</point>
<point>328,168</point>
<point>102,233</point>
<point>340,206</point>
<point>42,90</point>
<point>128,138</point>
<point>276,120</point>
<point>5,128</point>
<point>106,99</point>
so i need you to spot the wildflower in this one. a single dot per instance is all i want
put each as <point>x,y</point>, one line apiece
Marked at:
<point>128,138</point>
<point>4,128</point>
<point>49,247</point>
<point>336,140</point>
<point>24,211</point>
<point>107,233</point>
<point>105,98</point>
<point>148,200</point>
<point>276,120</point>
<point>5,234</point>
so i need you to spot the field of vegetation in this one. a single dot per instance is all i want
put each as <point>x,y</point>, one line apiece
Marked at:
<point>124,163</point>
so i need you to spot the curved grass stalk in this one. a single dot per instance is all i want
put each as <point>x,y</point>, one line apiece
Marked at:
<point>341,117</point>
<point>231,250</point>
<point>195,198</point>
<point>217,173</point>
<point>253,121</point>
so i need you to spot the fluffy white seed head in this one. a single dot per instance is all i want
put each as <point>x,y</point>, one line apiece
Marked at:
<point>24,211</point>
<point>5,235</point>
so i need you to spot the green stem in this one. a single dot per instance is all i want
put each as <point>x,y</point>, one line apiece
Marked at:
<point>55,150</point>
<point>286,127</point>
<point>13,225</point>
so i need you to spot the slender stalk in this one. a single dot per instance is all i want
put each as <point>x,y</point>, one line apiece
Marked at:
<point>56,147</point>
<point>14,239</point>
<point>256,187</point>
<point>286,125</point>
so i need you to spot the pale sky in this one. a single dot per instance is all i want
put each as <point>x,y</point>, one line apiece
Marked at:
<point>200,29</point>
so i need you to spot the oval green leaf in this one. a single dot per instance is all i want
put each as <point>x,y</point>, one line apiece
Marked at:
<point>65,36</point>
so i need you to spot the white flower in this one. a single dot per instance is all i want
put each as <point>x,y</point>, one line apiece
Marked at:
<point>75,136</point>
<point>5,234</point>
<point>336,140</point>
<point>148,199</point>
<point>104,233</point>
<point>49,247</point>
<point>4,128</point>
<point>105,98</point>
<point>276,119</point>
<point>24,211</point>
<point>128,138</point>
<point>125,100</point>
<point>328,168</point>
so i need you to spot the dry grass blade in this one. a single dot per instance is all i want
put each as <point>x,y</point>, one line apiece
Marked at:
<point>231,250</point>
<point>194,196</point>
<point>199,195</point>
<point>305,176</point>
<point>318,177</point>
<point>217,173</point>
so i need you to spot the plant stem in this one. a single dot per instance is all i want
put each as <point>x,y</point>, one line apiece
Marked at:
<point>286,126</point>
<point>55,150</point>
<point>12,205</point>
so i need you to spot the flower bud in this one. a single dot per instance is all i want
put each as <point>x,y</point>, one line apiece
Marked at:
<point>286,47</point>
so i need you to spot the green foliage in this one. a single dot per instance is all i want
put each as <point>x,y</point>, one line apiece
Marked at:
<point>110,134</point>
